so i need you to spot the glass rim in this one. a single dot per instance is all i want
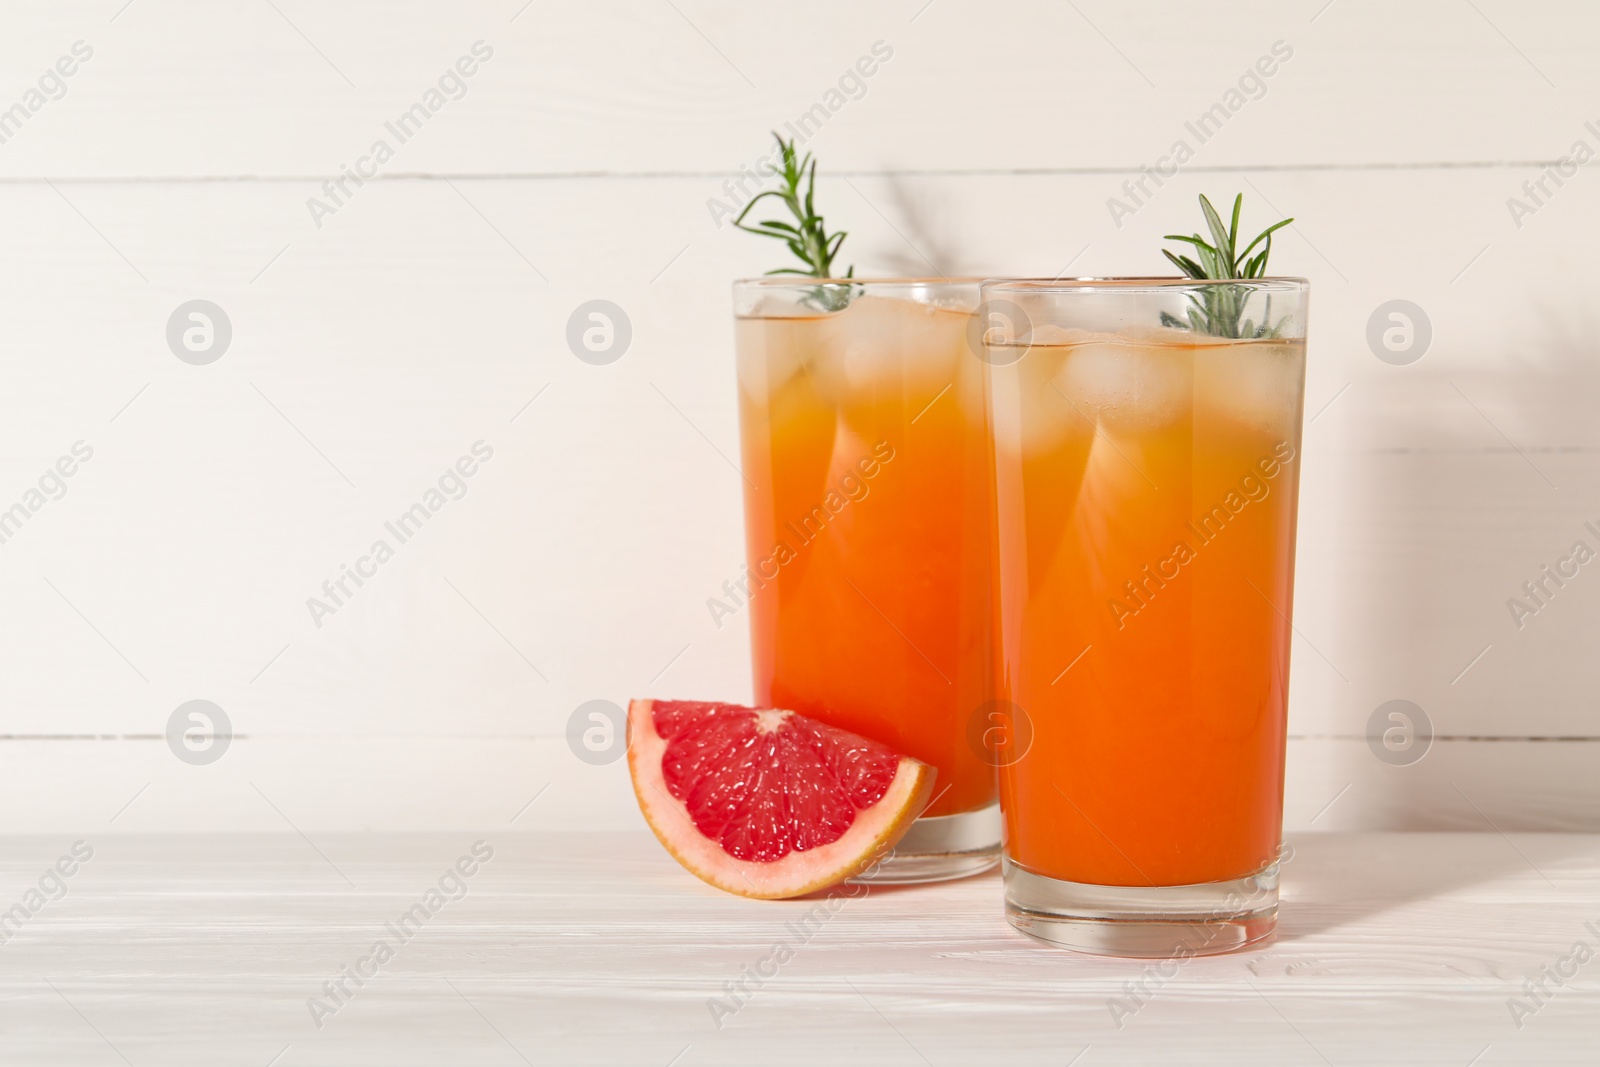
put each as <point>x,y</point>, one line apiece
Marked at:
<point>1143,284</point>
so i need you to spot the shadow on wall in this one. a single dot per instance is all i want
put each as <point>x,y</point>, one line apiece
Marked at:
<point>923,250</point>
<point>1471,532</point>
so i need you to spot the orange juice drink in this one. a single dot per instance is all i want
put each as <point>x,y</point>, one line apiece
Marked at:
<point>1147,478</point>
<point>868,516</point>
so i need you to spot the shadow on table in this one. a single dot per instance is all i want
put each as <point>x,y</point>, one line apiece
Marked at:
<point>1337,879</point>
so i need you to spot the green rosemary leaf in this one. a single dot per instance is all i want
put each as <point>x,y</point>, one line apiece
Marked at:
<point>1219,309</point>
<point>1185,264</point>
<point>1223,239</point>
<point>807,237</point>
<point>1265,234</point>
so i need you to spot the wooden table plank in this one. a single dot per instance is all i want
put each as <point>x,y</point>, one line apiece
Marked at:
<point>1397,948</point>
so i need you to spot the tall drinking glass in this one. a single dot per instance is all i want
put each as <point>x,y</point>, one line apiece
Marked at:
<point>868,517</point>
<point>1147,456</point>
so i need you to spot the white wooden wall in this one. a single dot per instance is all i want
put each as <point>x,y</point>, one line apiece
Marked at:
<point>424,315</point>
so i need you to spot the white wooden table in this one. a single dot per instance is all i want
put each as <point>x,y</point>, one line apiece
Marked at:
<point>1397,948</point>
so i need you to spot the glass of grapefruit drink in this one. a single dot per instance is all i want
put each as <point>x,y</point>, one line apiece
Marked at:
<point>868,518</point>
<point>1147,456</point>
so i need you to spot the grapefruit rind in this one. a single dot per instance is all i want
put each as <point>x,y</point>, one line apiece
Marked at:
<point>875,831</point>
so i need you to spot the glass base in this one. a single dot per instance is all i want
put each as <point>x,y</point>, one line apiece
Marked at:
<point>1143,921</point>
<point>939,848</point>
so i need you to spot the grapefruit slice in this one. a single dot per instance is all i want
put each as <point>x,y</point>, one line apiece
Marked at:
<point>767,803</point>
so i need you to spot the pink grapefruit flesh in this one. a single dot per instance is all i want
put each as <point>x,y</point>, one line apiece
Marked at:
<point>767,803</point>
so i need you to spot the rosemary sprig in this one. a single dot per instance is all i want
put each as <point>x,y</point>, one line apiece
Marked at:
<point>807,237</point>
<point>1218,310</point>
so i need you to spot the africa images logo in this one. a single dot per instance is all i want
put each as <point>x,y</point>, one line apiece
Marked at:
<point>452,485</point>
<point>451,85</point>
